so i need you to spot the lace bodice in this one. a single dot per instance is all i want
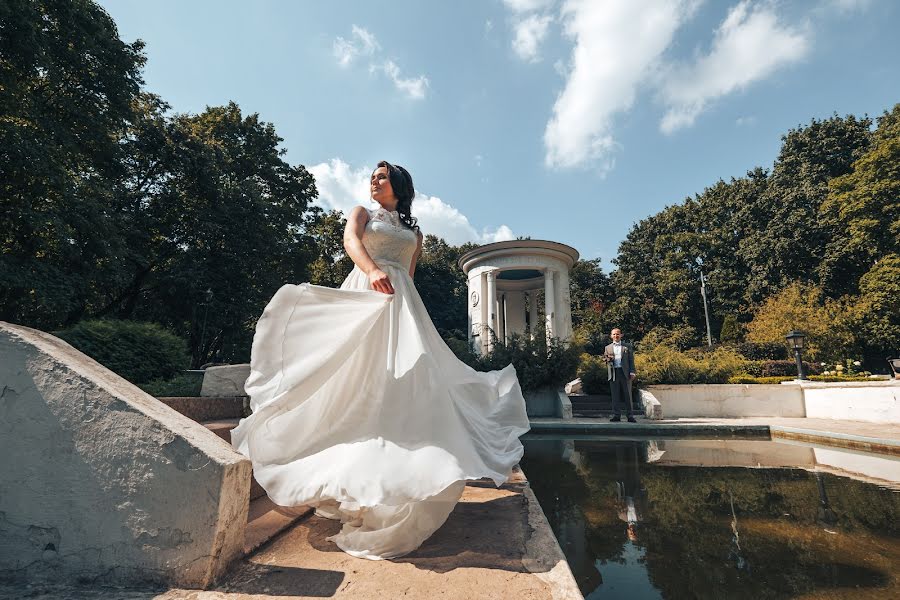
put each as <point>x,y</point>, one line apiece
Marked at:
<point>387,240</point>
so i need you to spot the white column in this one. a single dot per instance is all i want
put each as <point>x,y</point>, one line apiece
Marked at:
<point>563,305</point>
<point>484,311</point>
<point>549,304</point>
<point>532,310</point>
<point>492,307</point>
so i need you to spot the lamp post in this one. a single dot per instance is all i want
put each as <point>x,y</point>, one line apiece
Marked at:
<point>705,307</point>
<point>796,340</point>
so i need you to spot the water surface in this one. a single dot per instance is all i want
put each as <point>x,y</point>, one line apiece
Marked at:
<point>720,518</point>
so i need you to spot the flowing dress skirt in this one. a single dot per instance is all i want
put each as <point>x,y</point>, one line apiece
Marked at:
<point>361,410</point>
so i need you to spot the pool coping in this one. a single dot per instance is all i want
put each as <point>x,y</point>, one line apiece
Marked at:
<point>644,429</point>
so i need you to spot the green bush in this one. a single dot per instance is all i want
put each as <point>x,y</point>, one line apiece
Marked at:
<point>751,379</point>
<point>680,338</point>
<point>837,378</point>
<point>663,364</point>
<point>787,368</point>
<point>731,330</point>
<point>594,375</point>
<point>183,384</point>
<point>139,352</point>
<point>538,365</point>
<point>762,350</point>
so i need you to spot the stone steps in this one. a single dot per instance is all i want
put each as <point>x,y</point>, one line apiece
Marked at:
<point>221,414</point>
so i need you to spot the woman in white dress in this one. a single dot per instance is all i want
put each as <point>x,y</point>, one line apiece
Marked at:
<point>359,407</point>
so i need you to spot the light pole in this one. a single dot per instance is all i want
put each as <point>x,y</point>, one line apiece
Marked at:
<point>796,339</point>
<point>705,307</point>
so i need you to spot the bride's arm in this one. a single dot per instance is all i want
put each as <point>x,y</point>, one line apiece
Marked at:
<point>415,258</point>
<point>353,233</point>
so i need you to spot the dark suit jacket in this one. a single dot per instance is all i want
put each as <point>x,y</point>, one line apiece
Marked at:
<point>627,360</point>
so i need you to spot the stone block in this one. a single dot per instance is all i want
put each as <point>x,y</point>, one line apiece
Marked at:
<point>225,380</point>
<point>102,482</point>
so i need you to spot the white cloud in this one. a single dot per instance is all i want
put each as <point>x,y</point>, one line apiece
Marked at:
<point>530,33</point>
<point>341,187</point>
<point>439,218</point>
<point>413,87</point>
<point>745,121</point>
<point>617,45</point>
<point>749,45</point>
<point>362,43</point>
<point>523,6</point>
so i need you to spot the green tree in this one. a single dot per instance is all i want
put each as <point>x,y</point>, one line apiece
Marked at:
<point>877,312</point>
<point>827,322</point>
<point>227,216</point>
<point>789,239</point>
<point>442,285</point>
<point>731,329</point>
<point>863,210</point>
<point>331,265</point>
<point>67,89</point>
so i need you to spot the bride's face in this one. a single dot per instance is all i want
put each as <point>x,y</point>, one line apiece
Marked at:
<point>380,186</point>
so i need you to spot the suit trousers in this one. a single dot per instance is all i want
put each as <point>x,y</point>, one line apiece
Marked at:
<point>620,388</point>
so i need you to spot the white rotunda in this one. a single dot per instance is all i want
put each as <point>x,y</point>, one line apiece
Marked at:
<point>505,281</point>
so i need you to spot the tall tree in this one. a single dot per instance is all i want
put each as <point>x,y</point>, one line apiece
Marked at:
<point>67,88</point>
<point>442,285</point>
<point>790,239</point>
<point>863,211</point>
<point>228,222</point>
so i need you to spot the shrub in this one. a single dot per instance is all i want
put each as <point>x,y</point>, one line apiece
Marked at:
<point>139,352</point>
<point>731,330</point>
<point>751,379</point>
<point>680,338</point>
<point>593,373</point>
<point>667,365</point>
<point>538,364</point>
<point>183,384</point>
<point>787,368</point>
<point>763,350</point>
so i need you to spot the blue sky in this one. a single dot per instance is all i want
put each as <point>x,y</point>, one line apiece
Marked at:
<point>560,120</point>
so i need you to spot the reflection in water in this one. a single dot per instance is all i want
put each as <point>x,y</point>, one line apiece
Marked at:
<point>636,520</point>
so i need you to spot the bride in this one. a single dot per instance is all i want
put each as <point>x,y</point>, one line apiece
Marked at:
<point>359,407</point>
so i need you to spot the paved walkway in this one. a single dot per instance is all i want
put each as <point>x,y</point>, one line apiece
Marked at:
<point>496,544</point>
<point>874,437</point>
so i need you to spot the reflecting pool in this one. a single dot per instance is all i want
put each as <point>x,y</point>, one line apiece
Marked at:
<point>720,518</point>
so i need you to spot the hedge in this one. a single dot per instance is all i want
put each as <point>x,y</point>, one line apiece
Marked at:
<point>139,352</point>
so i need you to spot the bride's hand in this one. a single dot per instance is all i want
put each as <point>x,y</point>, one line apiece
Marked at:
<point>380,281</point>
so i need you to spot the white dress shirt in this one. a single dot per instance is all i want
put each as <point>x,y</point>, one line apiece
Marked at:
<point>617,353</point>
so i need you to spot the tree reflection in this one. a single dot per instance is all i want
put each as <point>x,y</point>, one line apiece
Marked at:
<point>721,532</point>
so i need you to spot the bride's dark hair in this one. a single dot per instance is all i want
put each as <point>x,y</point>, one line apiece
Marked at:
<point>402,183</point>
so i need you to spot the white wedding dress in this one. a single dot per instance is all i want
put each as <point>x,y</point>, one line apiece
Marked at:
<point>361,410</point>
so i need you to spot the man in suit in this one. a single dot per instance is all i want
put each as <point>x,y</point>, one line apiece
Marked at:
<point>620,371</point>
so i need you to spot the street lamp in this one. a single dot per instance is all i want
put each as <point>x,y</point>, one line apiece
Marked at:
<point>796,340</point>
<point>703,293</point>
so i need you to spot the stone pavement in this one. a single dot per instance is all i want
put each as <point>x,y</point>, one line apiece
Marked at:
<point>496,544</point>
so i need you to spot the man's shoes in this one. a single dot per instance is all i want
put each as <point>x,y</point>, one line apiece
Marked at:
<point>616,419</point>
<point>631,420</point>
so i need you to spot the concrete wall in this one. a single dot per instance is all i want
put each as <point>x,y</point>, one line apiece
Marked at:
<point>876,401</point>
<point>100,481</point>
<point>548,402</point>
<point>728,400</point>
